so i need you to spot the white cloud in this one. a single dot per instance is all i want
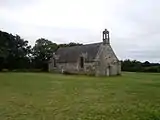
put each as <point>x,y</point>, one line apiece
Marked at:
<point>62,13</point>
<point>134,25</point>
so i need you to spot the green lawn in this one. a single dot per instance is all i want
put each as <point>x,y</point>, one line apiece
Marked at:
<point>42,96</point>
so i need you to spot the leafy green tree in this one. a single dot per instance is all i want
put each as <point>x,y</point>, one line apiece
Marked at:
<point>42,52</point>
<point>137,66</point>
<point>13,51</point>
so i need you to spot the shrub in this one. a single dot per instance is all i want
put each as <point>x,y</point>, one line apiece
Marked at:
<point>5,70</point>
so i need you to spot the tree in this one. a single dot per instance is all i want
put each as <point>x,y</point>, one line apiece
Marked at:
<point>69,44</point>
<point>137,66</point>
<point>42,52</point>
<point>13,51</point>
<point>146,64</point>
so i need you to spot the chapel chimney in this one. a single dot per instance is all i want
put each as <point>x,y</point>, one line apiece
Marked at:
<point>106,37</point>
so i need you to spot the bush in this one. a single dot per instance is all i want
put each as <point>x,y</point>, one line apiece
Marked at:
<point>68,73</point>
<point>152,69</point>
<point>22,70</point>
<point>5,70</point>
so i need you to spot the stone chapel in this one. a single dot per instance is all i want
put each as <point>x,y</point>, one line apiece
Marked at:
<point>97,59</point>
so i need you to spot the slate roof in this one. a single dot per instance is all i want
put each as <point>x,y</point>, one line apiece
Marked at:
<point>72,54</point>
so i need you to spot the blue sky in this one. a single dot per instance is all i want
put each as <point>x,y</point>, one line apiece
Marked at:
<point>133,24</point>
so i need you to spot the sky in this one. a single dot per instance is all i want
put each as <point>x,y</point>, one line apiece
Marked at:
<point>134,25</point>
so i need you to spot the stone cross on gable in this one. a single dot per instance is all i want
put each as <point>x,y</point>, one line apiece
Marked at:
<point>106,36</point>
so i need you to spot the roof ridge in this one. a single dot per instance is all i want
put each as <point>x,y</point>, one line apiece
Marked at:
<point>80,45</point>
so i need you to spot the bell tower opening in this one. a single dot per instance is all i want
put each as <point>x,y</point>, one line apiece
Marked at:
<point>106,36</point>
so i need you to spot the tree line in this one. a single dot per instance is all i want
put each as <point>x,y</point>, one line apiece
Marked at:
<point>137,66</point>
<point>17,55</point>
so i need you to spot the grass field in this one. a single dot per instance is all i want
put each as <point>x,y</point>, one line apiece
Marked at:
<point>42,96</point>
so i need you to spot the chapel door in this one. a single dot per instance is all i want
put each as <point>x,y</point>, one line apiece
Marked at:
<point>108,71</point>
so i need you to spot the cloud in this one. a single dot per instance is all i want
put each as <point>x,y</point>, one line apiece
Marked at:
<point>134,25</point>
<point>16,4</point>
